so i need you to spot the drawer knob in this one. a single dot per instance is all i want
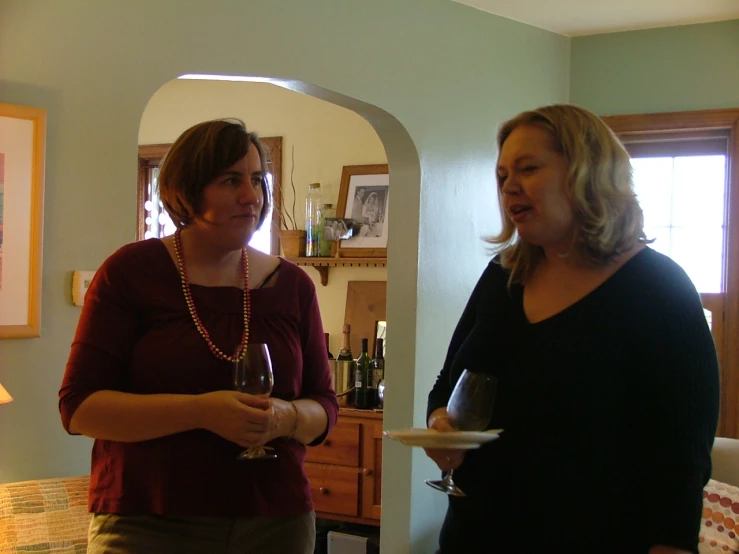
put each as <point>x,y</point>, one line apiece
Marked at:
<point>366,472</point>
<point>323,490</point>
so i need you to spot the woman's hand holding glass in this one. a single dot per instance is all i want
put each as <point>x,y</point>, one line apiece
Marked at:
<point>253,375</point>
<point>470,408</point>
<point>446,458</point>
<point>241,418</point>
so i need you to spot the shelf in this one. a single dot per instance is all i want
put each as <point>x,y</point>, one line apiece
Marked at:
<point>322,264</point>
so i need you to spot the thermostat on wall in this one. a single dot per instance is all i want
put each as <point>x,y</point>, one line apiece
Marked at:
<point>80,283</point>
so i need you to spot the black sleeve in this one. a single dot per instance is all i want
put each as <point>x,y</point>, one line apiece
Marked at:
<point>679,399</point>
<point>442,390</point>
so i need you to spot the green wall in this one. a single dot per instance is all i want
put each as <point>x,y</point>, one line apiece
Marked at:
<point>433,77</point>
<point>659,70</point>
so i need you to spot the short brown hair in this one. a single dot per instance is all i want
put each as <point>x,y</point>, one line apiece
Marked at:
<point>198,156</point>
<point>599,182</point>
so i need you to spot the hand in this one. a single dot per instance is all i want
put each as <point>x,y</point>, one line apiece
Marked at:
<point>236,416</point>
<point>284,420</point>
<point>445,458</point>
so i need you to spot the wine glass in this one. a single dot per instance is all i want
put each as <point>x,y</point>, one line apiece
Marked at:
<point>470,408</point>
<point>253,375</point>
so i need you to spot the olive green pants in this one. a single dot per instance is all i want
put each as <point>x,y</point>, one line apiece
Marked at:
<point>118,534</point>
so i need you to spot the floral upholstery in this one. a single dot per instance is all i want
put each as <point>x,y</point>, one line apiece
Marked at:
<point>44,516</point>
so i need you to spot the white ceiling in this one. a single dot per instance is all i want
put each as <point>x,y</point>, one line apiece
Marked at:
<point>589,17</point>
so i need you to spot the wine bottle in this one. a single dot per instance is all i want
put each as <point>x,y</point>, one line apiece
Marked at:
<point>345,353</point>
<point>362,394</point>
<point>328,350</point>
<point>377,373</point>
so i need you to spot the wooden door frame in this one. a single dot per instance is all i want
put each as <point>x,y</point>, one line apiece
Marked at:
<point>660,125</point>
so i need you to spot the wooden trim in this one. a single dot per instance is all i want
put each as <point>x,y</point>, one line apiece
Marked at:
<point>675,148</point>
<point>142,179</point>
<point>38,178</point>
<point>372,470</point>
<point>361,414</point>
<point>274,145</point>
<point>348,519</point>
<point>154,153</point>
<point>150,156</point>
<point>689,125</point>
<point>672,121</point>
<point>321,265</point>
<point>31,328</point>
<point>729,424</point>
<point>675,136</point>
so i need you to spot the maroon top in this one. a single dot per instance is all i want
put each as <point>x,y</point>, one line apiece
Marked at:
<point>136,335</point>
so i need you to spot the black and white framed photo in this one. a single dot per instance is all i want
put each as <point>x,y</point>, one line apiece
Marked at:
<point>364,197</point>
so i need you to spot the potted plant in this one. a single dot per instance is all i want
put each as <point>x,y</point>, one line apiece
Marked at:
<point>292,239</point>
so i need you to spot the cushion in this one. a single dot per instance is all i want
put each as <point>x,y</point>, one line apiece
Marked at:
<point>47,516</point>
<point>720,521</point>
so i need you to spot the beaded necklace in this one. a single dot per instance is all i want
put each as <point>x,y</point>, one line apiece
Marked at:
<point>241,350</point>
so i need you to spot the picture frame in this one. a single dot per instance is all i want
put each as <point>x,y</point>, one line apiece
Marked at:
<point>364,196</point>
<point>22,163</point>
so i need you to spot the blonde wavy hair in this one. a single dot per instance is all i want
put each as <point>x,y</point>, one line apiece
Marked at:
<point>600,185</point>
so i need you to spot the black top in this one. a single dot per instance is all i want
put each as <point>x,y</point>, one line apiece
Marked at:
<point>609,409</point>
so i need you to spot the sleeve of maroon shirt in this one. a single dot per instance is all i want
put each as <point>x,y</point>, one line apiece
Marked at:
<point>316,372</point>
<point>105,335</point>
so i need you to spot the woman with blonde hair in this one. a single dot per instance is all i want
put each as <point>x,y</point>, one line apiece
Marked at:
<point>607,372</point>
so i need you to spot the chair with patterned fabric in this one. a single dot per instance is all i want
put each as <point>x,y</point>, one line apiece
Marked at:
<point>47,516</point>
<point>720,521</point>
<point>725,458</point>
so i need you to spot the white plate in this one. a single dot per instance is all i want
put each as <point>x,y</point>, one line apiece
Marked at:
<point>431,438</point>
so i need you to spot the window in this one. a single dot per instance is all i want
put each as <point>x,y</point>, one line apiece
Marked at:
<point>153,220</point>
<point>686,172</point>
<point>681,186</point>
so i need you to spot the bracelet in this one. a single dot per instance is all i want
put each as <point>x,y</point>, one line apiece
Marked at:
<point>291,434</point>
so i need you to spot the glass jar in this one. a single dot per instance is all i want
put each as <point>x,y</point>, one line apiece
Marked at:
<point>325,241</point>
<point>313,220</point>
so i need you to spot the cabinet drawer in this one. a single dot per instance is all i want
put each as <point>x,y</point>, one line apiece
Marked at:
<point>334,490</point>
<point>341,447</point>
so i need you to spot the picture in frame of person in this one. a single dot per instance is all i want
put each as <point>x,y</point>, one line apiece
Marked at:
<point>364,197</point>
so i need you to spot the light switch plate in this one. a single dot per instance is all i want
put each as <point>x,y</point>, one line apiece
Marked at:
<point>80,284</point>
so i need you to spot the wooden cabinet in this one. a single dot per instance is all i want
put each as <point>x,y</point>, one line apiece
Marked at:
<point>345,472</point>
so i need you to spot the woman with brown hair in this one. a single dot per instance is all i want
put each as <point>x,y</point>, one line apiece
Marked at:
<point>607,372</point>
<point>150,373</point>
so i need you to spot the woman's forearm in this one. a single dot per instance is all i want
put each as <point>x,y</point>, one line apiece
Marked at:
<point>125,417</point>
<point>312,421</point>
<point>303,420</point>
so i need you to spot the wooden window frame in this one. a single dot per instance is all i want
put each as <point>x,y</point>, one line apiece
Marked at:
<point>151,156</point>
<point>697,124</point>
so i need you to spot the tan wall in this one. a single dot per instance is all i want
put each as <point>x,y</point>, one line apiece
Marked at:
<point>325,137</point>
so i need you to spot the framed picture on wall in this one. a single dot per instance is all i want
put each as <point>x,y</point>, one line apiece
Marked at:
<point>22,146</point>
<point>364,197</point>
